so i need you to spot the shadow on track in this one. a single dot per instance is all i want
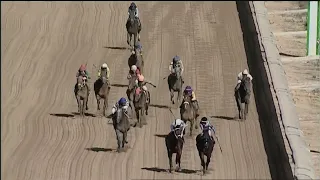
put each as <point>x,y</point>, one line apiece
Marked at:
<point>98,149</point>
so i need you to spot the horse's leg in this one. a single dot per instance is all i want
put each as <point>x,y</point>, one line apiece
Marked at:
<point>191,126</point>
<point>179,96</point>
<point>119,139</point>
<point>171,95</point>
<point>238,101</point>
<point>85,105</point>
<point>135,40</point>
<point>98,102</point>
<point>178,161</point>
<point>242,111</point>
<point>208,160</point>
<point>170,160</point>
<point>125,136</point>
<point>246,107</point>
<point>78,101</point>
<point>105,106</point>
<point>128,38</point>
<point>201,155</point>
<point>138,117</point>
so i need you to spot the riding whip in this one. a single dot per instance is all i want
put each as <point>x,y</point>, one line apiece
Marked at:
<point>218,142</point>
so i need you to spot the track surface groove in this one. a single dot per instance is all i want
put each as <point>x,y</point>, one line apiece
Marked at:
<point>43,44</point>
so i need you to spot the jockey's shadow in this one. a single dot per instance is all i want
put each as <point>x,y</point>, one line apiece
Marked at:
<point>156,169</point>
<point>116,47</point>
<point>98,149</point>
<point>225,118</point>
<point>161,135</point>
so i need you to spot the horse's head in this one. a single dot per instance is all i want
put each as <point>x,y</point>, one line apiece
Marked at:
<point>177,71</point>
<point>246,84</point>
<point>81,81</point>
<point>119,114</point>
<point>132,82</point>
<point>131,16</point>
<point>178,132</point>
<point>187,102</point>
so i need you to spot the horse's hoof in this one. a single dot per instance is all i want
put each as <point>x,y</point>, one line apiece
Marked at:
<point>87,108</point>
<point>126,142</point>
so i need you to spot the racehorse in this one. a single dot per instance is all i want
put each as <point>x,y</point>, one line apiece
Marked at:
<point>205,146</point>
<point>188,112</point>
<point>136,59</point>
<point>131,87</point>
<point>81,92</point>
<point>101,90</point>
<point>121,126</point>
<point>133,28</point>
<point>175,83</point>
<point>242,95</point>
<point>141,105</point>
<point>174,143</point>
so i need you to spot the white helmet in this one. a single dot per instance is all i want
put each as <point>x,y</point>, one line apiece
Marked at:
<point>245,71</point>
<point>104,65</point>
<point>145,88</point>
<point>133,68</point>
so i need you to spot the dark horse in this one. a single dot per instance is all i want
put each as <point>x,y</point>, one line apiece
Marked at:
<point>242,95</point>
<point>133,28</point>
<point>81,92</point>
<point>174,143</point>
<point>205,147</point>
<point>121,125</point>
<point>101,90</point>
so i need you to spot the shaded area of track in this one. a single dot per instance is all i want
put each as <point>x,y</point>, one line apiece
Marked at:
<point>45,42</point>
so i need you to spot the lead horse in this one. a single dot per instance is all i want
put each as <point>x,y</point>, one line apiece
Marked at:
<point>121,125</point>
<point>81,92</point>
<point>242,95</point>
<point>101,90</point>
<point>175,83</point>
<point>205,145</point>
<point>188,112</point>
<point>174,143</point>
<point>133,28</point>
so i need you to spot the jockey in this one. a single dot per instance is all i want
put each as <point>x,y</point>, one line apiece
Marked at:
<point>240,77</point>
<point>177,123</point>
<point>205,125</point>
<point>83,72</point>
<point>122,103</point>
<point>133,7</point>
<point>104,67</point>
<point>189,92</point>
<point>176,61</point>
<point>140,81</point>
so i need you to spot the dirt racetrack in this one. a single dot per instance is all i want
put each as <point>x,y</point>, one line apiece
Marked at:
<point>43,45</point>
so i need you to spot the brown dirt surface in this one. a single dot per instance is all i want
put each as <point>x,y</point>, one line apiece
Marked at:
<point>304,76</point>
<point>43,45</point>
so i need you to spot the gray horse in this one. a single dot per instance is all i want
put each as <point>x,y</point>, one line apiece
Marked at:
<point>175,83</point>
<point>133,28</point>
<point>188,113</point>
<point>101,90</point>
<point>242,95</point>
<point>131,87</point>
<point>121,125</point>
<point>82,93</point>
<point>141,103</point>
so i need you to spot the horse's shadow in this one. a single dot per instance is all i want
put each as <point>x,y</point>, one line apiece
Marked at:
<point>159,106</point>
<point>99,149</point>
<point>156,169</point>
<point>86,114</point>
<point>62,115</point>
<point>116,47</point>
<point>225,117</point>
<point>119,85</point>
<point>161,135</point>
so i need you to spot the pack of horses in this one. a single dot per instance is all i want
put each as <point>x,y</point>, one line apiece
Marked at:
<point>140,100</point>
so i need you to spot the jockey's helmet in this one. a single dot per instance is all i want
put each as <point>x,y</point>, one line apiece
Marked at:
<point>245,72</point>
<point>82,67</point>
<point>138,46</point>
<point>188,88</point>
<point>122,101</point>
<point>204,119</point>
<point>176,59</point>
<point>133,5</point>
<point>140,78</point>
<point>133,68</point>
<point>104,65</point>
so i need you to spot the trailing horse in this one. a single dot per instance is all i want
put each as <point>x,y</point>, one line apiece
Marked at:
<point>188,112</point>
<point>81,92</point>
<point>141,104</point>
<point>174,143</point>
<point>133,28</point>
<point>242,95</point>
<point>205,145</point>
<point>131,88</point>
<point>101,90</point>
<point>121,125</point>
<point>175,83</point>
